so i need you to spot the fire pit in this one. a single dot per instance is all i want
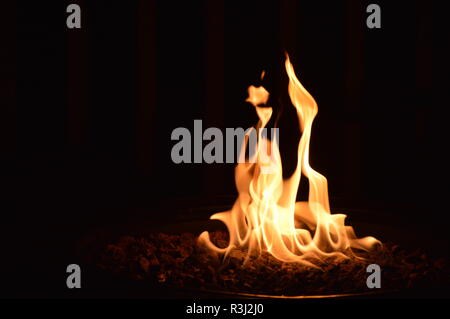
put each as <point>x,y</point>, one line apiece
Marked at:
<point>155,260</point>
<point>272,245</point>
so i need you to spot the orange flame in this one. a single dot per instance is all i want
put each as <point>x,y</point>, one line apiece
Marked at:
<point>265,216</point>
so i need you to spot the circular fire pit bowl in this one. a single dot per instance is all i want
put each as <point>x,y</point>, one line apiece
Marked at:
<point>143,258</point>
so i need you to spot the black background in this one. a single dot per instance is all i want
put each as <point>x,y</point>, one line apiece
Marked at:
<point>87,114</point>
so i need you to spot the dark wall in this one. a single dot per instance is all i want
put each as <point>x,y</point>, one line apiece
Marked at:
<point>92,113</point>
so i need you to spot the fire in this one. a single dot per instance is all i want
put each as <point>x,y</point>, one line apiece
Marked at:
<point>266,216</point>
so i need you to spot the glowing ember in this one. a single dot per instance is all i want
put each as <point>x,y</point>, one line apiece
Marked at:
<point>266,216</point>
